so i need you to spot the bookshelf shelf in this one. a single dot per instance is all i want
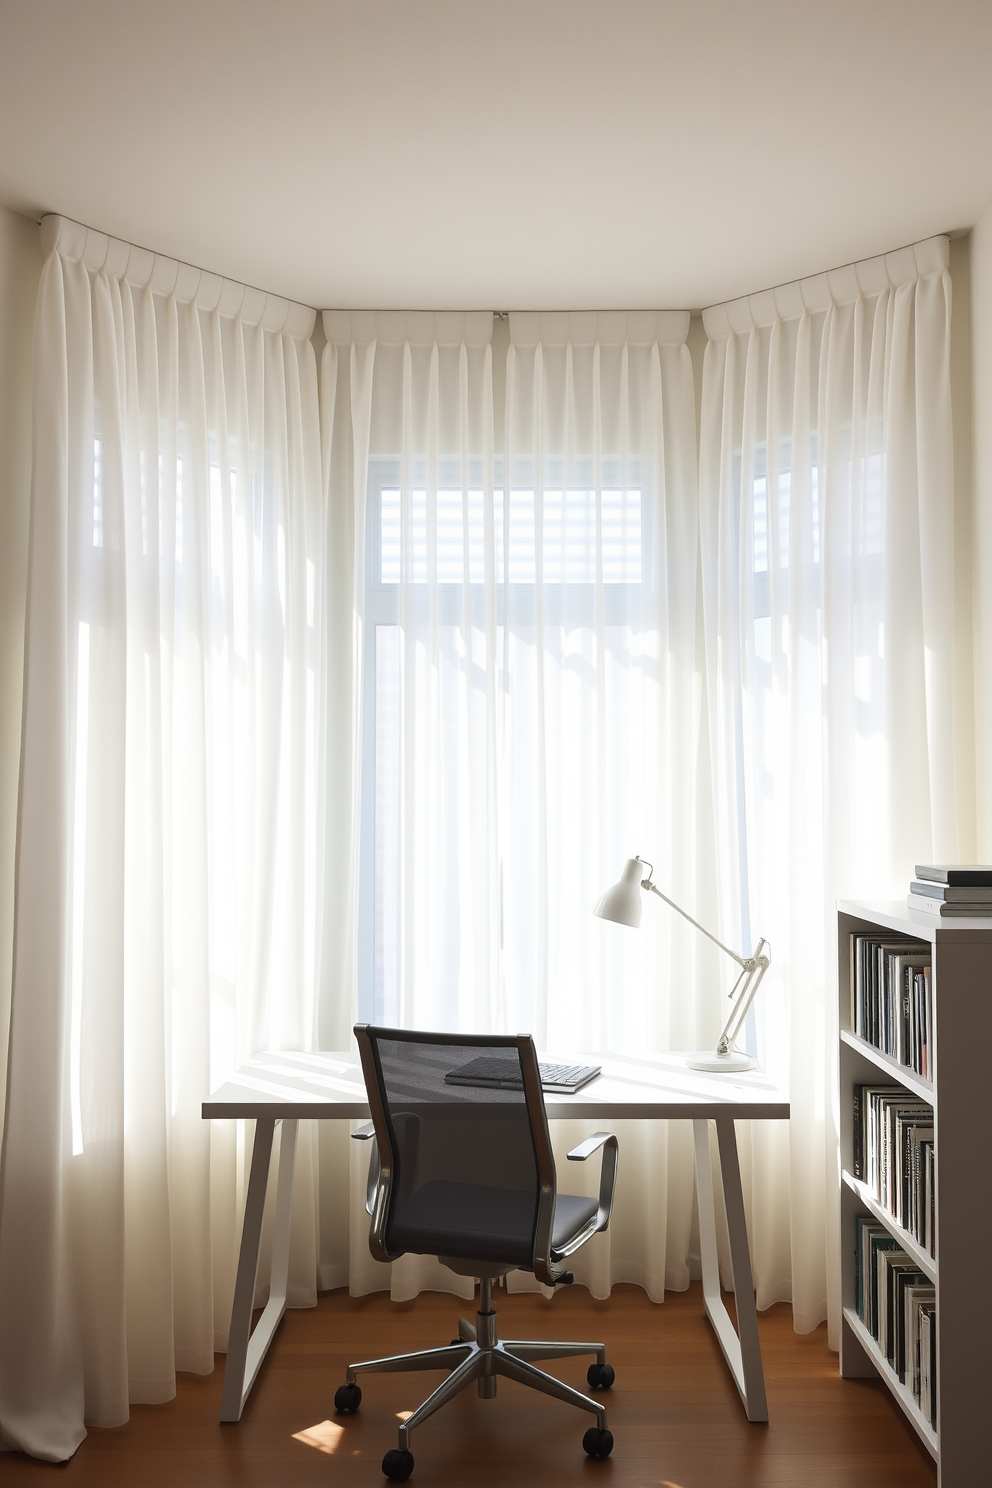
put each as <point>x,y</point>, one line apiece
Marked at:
<point>909,1242</point>
<point>889,1067</point>
<point>903,1395</point>
<point>961,975</point>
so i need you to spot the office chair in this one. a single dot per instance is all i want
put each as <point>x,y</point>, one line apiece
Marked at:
<point>466,1172</point>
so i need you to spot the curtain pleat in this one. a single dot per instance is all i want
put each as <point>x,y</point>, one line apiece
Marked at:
<point>826,512</point>
<point>165,924</point>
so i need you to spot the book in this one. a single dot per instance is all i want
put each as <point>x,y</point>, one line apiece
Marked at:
<point>870,1236</point>
<point>901,1280</point>
<point>891,1263</point>
<point>909,1133</point>
<point>941,907</point>
<point>914,1294</point>
<point>877,1239</point>
<point>977,875</point>
<point>952,894</point>
<point>861,1224</point>
<point>928,1362</point>
<point>920,1019</point>
<point>917,1138</point>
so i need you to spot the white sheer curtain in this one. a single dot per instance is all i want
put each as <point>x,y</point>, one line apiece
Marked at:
<point>601,657</point>
<point>532,705</point>
<point>167,862</point>
<point>602,741</point>
<point>408,419</point>
<point>827,544</point>
<point>459,640</point>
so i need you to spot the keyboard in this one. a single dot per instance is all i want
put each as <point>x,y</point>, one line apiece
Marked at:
<point>494,1073</point>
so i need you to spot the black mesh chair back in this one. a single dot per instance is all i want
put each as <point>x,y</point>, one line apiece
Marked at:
<point>467,1166</point>
<point>466,1173</point>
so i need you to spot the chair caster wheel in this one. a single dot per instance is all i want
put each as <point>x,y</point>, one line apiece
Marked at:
<point>398,1465</point>
<point>347,1398</point>
<point>600,1376</point>
<point>597,1443</point>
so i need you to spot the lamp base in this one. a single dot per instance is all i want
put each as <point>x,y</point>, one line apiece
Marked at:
<point>721,1064</point>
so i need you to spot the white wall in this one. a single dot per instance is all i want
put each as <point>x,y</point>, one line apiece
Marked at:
<point>20,266</point>
<point>981,458</point>
<point>964,653</point>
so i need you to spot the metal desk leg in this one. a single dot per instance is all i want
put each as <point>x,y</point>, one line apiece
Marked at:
<point>743,1353</point>
<point>246,1348</point>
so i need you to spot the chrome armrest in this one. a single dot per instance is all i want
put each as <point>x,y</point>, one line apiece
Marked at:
<point>607,1174</point>
<point>362,1134</point>
<point>587,1148</point>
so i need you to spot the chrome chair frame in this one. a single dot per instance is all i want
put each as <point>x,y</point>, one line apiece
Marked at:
<point>479,1354</point>
<point>482,1356</point>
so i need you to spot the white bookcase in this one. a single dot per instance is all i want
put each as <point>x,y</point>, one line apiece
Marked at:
<point>961,1095</point>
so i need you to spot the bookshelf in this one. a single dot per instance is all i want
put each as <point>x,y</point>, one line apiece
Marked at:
<point>961,1095</point>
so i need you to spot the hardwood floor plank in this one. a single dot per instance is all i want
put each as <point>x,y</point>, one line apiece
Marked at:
<point>674,1411</point>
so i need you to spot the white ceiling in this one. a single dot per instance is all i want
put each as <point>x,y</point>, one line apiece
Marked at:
<point>526,153</point>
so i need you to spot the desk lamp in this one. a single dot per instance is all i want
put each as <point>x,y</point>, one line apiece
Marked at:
<point>622,904</point>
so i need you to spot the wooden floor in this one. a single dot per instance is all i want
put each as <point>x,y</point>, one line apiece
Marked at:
<point>676,1416</point>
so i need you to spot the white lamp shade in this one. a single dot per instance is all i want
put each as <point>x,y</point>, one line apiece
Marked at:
<point>622,903</point>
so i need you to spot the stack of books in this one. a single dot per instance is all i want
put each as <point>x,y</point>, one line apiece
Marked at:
<point>894,1156</point>
<point>892,998</point>
<point>944,890</point>
<point>898,1304</point>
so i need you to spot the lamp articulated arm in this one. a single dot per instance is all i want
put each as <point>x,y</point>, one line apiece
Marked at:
<point>622,904</point>
<point>748,962</point>
<point>744,990</point>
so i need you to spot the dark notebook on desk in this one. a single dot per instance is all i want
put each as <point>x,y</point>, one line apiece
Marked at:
<point>495,1073</point>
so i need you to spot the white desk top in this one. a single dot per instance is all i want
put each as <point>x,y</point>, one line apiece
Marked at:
<point>327,1086</point>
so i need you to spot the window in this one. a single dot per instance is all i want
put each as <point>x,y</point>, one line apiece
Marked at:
<point>587,543</point>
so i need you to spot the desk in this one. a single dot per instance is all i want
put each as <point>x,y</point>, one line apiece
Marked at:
<point>305,1087</point>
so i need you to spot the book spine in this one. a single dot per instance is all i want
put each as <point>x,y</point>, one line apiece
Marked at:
<point>925,1362</point>
<point>952,893</point>
<point>969,910</point>
<point>978,876</point>
<point>902,1041</point>
<point>928,904</point>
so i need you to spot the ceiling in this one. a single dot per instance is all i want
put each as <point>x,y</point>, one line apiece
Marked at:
<point>520,154</point>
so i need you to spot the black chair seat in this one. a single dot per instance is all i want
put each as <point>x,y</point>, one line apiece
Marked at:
<point>572,1214</point>
<point>473,1222</point>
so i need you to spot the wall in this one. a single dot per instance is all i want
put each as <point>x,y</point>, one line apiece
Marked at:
<point>964,655</point>
<point>20,266</point>
<point>981,461</point>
